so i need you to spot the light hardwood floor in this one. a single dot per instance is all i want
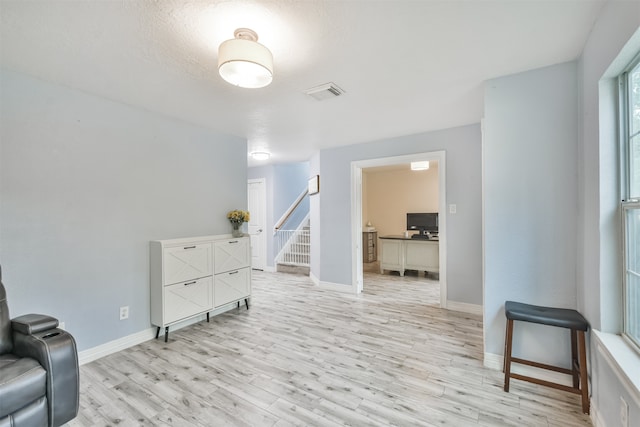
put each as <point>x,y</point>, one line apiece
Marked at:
<point>306,356</point>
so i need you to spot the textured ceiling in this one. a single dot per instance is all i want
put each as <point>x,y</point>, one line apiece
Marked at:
<point>407,66</point>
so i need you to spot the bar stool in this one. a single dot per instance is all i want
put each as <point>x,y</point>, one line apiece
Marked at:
<point>562,318</point>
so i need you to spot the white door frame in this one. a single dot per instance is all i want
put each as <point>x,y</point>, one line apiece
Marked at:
<point>262,256</point>
<point>356,213</point>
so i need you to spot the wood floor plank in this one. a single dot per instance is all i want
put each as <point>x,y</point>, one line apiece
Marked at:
<point>306,356</point>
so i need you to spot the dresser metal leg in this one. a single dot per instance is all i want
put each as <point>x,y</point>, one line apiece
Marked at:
<point>246,301</point>
<point>157,332</point>
<point>166,334</point>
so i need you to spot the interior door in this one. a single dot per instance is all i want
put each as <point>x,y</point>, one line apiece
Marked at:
<point>257,223</point>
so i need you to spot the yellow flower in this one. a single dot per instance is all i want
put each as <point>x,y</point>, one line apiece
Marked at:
<point>238,216</point>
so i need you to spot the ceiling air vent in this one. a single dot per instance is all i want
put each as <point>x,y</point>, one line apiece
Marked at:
<point>325,91</point>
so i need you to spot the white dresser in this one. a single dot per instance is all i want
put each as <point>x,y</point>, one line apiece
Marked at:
<point>193,276</point>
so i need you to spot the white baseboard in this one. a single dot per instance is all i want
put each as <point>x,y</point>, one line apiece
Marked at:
<point>496,362</point>
<point>493,361</point>
<point>314,279</point>
<point>119,344</point>
<point>339,287</point>
<point>465,307</point>
<point>116,345</point>
<point>596,418</point>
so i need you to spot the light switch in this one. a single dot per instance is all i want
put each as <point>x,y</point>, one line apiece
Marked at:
<point>452,209</point>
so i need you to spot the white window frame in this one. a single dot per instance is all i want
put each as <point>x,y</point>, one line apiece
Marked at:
<point>630,202</point>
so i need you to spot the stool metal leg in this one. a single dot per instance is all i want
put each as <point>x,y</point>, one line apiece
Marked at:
<point>584,380</point>
<point>507,356</point>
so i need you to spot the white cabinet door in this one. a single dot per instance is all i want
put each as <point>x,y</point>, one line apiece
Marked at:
<point>232,254</point>
<point>257,226</point>
<point>391,255</point>
<point>231,286</point>
<point>187,299</point>
<point>422,256</point>
<point>187,262</point>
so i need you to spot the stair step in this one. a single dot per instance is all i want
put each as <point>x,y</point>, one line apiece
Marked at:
<point>293,269</point>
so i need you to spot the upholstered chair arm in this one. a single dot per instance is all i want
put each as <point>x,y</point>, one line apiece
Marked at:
<point>38,337</point>
<point>33,323</point>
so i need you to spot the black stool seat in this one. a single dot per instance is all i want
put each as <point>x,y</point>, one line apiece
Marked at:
<point>560,317</point>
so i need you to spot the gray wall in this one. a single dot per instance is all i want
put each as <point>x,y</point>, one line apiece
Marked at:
<point>530,203</point>
<point>284,183</point>
<point>463,187</point>
<point>289,181</point>
<point>614,40</point>
<point>85,183</point>
<point>599,191</point>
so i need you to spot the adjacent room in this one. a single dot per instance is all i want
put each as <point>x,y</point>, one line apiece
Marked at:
<point>321,212</point>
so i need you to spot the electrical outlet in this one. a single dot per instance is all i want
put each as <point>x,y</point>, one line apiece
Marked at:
<point>453,208</point>
<point>124,312</point>
<point>624,412</point>
<point>61,325</point>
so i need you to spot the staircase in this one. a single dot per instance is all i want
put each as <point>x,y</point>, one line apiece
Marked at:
<point>294,254</point>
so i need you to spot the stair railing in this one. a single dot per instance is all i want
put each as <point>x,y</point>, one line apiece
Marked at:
<point>290,211</point>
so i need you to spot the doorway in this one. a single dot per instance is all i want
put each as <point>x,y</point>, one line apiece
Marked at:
<point>357,211</point>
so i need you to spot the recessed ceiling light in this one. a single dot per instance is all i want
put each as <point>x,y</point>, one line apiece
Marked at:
<point>260,155</point>
<point>420,166</point>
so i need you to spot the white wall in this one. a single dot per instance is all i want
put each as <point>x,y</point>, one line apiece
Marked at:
<point>530,204</point>
<point>85,183</point>
<point>333,206</point>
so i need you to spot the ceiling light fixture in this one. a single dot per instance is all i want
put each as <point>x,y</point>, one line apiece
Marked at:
<point>244,62</point>
<point>420,166</point>
<point>260,155</point>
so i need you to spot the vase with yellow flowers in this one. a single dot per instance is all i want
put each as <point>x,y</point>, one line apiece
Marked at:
<point>237,218</point>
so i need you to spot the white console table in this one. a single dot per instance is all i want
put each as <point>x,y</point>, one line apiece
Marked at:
<point>193,276</point>
<point>399,253</point>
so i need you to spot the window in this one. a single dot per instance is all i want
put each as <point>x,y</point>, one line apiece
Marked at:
<point>630,149</point>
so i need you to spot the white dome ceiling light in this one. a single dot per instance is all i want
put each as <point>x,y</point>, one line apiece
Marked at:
<point>244,62</point>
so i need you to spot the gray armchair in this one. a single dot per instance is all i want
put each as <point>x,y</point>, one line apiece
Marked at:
<point>39,376</point>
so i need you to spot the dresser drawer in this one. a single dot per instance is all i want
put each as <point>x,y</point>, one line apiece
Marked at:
<point>231,286</point>
<point>232,254</point>
<point>183,300</point>
<point>187,262</point>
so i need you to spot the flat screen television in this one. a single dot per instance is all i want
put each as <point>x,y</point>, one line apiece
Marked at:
<point>423,222</point>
